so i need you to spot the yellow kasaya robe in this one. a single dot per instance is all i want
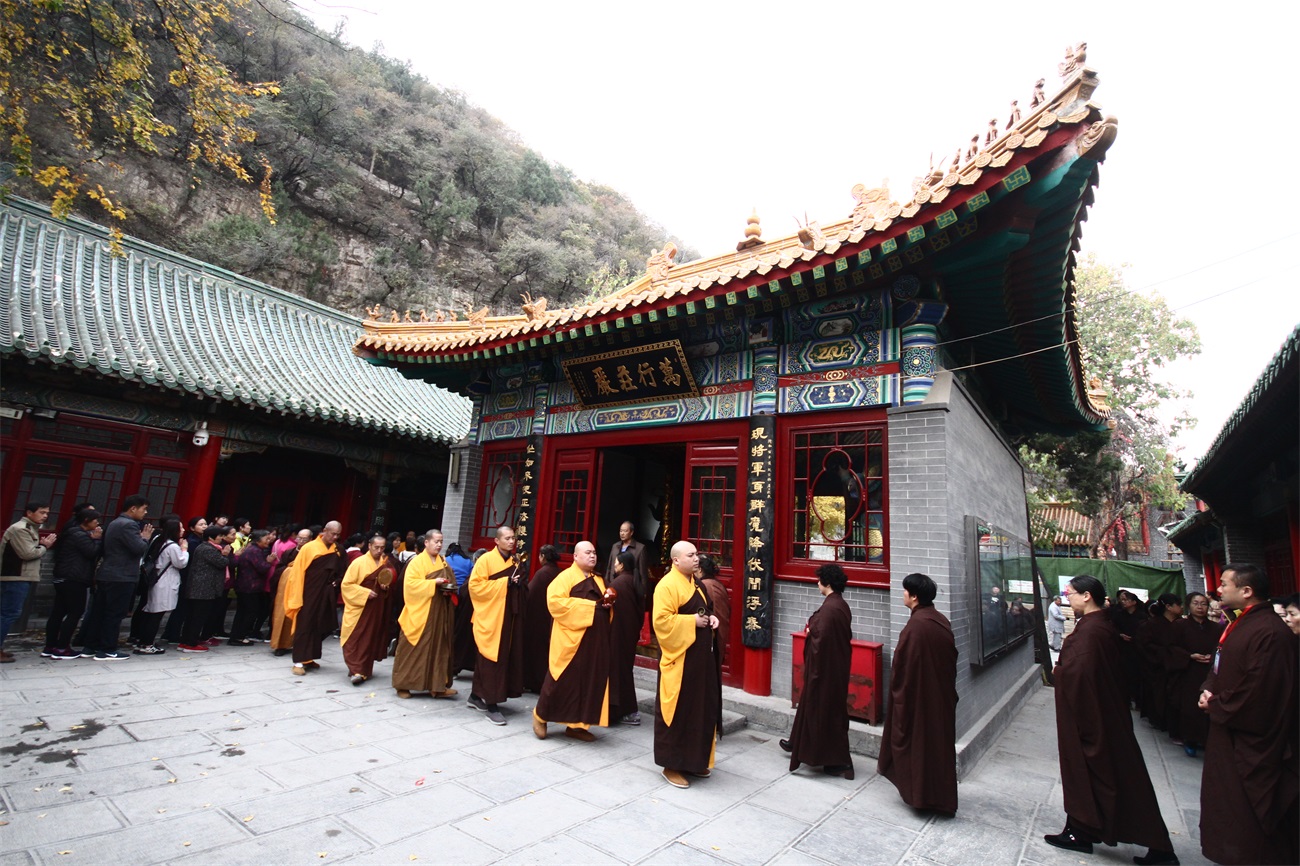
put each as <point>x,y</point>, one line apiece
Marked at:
<point>428,622</point>
<point>576,689</point>
<point>356,596</point>
<point>489,598</point>
<point>688,708</point>
<point>295,576</point>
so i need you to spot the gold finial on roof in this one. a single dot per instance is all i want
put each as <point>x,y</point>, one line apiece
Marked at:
<point>991,134</point>
<point>872,203</point>
<point>753,233</point>
<point>1015,114</point>
<point>1097,395</point>
<point>532,309</point>
<point>1039,96</point>
<point>1075,56</point>
<point>395,318</point>
<point>661,261</point>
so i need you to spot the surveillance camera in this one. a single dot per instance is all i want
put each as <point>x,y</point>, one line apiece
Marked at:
<point>200,438</point>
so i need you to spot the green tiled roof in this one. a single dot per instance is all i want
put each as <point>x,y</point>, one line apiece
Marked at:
<point>1286,359</point>
<point>163,319</point>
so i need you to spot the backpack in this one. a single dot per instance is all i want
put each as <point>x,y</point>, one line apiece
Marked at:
<point>149,567</point>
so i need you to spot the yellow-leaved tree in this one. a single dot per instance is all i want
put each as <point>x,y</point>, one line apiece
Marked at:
<point>105,77</point>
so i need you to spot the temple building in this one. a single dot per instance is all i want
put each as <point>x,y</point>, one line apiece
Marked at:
<point>845,394</point>
<point>148,371</point>
<point>1247,485</point>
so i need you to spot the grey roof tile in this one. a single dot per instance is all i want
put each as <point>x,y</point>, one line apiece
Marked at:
<point>164,319</point>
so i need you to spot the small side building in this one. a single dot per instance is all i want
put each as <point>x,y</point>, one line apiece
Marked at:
<point>1248,484</point>
<point>208,392</point>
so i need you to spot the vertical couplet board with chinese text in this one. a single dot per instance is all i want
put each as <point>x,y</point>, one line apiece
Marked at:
<point>756,613</point>
<point>528,487</point>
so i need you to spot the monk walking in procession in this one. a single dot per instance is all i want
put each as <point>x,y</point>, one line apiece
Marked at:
<point>423,662</point>
<point>1108,794</point>
<point>1249,786</point>
<point>688,705</point>
<point>918,749</point>
<point>575,692</point>
<point>309,596</point>
<point>498,591</point>
<point>367,597</point>
<point>820,735</point>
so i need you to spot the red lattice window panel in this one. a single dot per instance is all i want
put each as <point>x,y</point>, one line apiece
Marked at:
<point>498,495</point>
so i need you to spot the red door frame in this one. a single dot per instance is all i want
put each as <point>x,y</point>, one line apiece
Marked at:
<point>697,434</point>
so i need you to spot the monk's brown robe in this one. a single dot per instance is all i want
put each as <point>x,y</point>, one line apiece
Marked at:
<point>820,735</point>
<point>1191,724</point>
<point>498,624</point>
<point>688,701</point>
<point>281,625</point>
<point>464,653</point>
<point>1249,784</point>
<point>424,642</point>
<point>1130,655</point>
<point>720,604</point>
<point>1154,641</point>
<point>576,688</point>
<point>537,628</point>
<point>918,748</point>
<point>1108,793</point>
<point>624,632</point>
<point>309,597</point>
<point>363,636</point>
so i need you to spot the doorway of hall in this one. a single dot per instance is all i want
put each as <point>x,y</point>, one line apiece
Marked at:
<point>683,482</point>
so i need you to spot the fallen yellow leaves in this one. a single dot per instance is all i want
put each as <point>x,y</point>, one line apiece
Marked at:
<point>249,818</point>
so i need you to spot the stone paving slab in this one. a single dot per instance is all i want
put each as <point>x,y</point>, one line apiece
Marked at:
<point>125,762</point>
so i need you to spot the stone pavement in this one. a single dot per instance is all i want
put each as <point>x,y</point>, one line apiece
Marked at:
<point>228,758</point>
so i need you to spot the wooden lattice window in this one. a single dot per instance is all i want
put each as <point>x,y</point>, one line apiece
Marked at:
<point>711,518</point>
<point>498,495</point>
<point>832,478</point>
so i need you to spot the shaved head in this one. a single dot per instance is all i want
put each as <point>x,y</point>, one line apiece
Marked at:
<point>685,558</point>
<point>584,555</point>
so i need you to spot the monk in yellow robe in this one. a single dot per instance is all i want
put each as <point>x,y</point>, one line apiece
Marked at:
<point>498,591</point>
<point>427,624</point>
<point>688,705</point>
<point>281,625</point>
<point>366,603</point>
<point>309,594</point>
<point>576,689</point>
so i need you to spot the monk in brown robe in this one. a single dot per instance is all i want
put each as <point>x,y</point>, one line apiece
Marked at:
<point>688,701</point>
<point>423,662</point>
<point>820,734</point>
<point>312,583</point>
<point>1108,794</point>
<point>367,595</point>
<point>537,620</point>
<point>1249,784</point>
<point>719,602</point>
<point>576,690</point>
<point>1155,641</point>
<point>1195,639</point>
<point>629,616</point>
<point>497,588</point>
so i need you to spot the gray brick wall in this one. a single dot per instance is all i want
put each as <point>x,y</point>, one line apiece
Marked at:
<point>1242,543</point>
<point>458,506</point>
<point>795,602</point>
<point>945,462</point>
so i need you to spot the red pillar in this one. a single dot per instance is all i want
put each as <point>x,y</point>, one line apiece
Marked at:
<point>758,671</point>
<point>204,461</point>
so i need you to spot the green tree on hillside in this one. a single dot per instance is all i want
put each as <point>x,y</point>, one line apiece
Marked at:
<point>1127,339</point>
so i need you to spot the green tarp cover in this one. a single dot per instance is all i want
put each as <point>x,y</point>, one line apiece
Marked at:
<point>1114,575</point>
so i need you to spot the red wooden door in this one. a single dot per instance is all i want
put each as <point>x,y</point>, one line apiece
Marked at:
<point>573,486</point>
<point>712,511</point>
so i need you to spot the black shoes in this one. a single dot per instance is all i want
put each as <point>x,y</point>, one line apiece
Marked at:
<point>1153,857</point>
<point>786,746</point>
<point>1071,840</point>
<point>845,770</point>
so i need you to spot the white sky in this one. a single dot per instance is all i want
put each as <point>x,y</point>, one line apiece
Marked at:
<point>700,111</point>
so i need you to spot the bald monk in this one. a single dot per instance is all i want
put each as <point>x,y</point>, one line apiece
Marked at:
<point>310,587</point>
<point>498,591</point>
<point>688,703</point>
<point>281,625</point>
<point>576,689</point>
<point>366,601</point>
<point>427,624</point>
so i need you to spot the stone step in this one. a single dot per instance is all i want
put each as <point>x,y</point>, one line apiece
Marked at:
<point>731,721</point>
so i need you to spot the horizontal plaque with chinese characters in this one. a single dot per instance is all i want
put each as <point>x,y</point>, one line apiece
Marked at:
<point>646,374</point>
